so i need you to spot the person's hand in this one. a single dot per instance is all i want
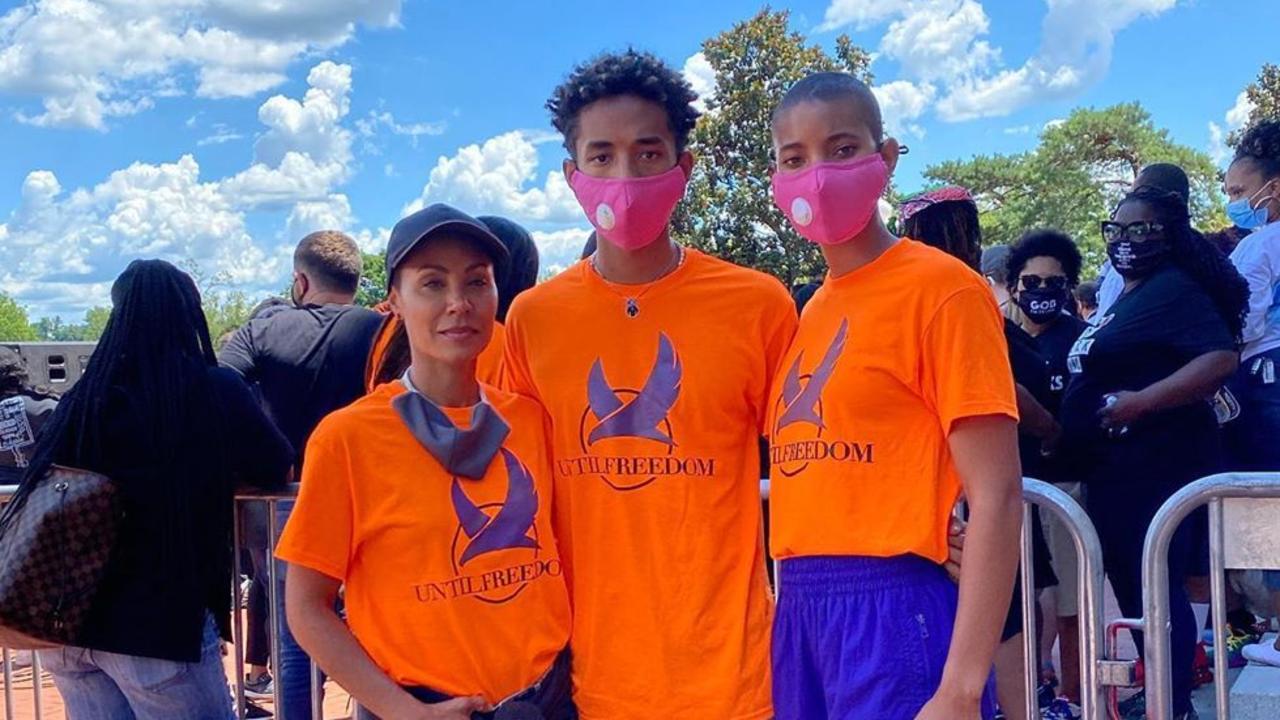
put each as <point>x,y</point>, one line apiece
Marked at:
<point>950,706</point>
<point>955,549</point>
<point>1128,408</point>
<point>455,709</point>
<point>1049,445</point>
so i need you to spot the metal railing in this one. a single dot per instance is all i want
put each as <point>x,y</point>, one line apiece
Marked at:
<point>1098,670</point>
<point>1157,636</point>
<point>1090,577</point>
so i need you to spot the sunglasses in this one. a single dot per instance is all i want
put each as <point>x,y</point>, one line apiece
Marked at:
<point>1139,231</point>
<point>1052,282</point>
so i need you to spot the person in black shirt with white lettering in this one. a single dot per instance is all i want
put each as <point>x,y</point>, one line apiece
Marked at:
<point>1136,419</point>
<point>1043,269</point>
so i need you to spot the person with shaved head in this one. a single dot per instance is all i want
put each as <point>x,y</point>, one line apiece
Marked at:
<point>895,396</point>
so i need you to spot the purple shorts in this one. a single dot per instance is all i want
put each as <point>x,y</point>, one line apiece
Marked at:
<point>861,637</point>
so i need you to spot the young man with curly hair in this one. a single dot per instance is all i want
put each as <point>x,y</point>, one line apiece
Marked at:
<point>653,362</point>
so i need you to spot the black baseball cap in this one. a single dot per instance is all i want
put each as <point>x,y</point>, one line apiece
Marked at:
<point>434,220</point>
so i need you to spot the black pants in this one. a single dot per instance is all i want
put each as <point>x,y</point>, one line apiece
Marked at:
<point>258,621</point>
<point>1122,512</point>
<point>551,699</point>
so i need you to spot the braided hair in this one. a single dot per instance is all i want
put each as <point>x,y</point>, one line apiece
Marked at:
<point>152,362</point>
<point>1196,256</point>
<point>952,227</point>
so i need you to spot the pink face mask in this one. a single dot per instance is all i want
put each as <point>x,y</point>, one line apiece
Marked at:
<point>832,202</point>
<point>629,212</point>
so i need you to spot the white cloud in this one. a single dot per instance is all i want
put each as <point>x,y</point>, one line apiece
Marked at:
<point>1076,41</point>
<point>701,77</point>
<point>862,14</point>
<point>1236,117</point>
<point>559,249</point>
<point>306,150</point>
<point>941,42</point>
<point>86,61</point>
<point>500,176</point>
<point>369,126</point>
<point>332,213</point>
<point>1018,130</point>
<point>901,103</point>
<point>62,248</point>
<point>221,134</point>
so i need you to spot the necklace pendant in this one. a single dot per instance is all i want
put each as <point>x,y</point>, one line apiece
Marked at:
<point>632,308</point>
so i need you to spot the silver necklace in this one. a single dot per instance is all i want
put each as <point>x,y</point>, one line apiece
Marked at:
<point>631,303</point>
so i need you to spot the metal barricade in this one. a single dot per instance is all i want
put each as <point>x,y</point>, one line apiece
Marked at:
<point>1088,549</point>
<point>1048,498</point>
<point>272,501</point>
<point>1213,491</point>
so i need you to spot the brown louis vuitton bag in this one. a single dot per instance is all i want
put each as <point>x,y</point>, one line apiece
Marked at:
<point>54,549</point>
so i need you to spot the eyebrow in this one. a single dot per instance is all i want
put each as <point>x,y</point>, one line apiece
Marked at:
<point>599,145</point>
<point>842,135</point>
<point>443,269</point>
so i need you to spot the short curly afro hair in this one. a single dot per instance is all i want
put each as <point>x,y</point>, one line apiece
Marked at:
<point>1261,145</point>
<point>628,73</point>
<point>1044,243</point>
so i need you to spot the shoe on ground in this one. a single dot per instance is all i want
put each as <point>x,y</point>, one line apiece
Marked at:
<point>1134,708</point>
<point>254,711</point>
<point>1060,709</point>
<point>259,687</point>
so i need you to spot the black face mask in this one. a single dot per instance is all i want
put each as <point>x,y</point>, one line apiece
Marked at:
<point>1136,260</point>
<point>1042,305</point>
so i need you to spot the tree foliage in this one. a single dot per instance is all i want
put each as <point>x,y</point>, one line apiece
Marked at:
<point>1075,176</point>
<point>728,210</point>
<point>53,329</point>
<point>14,324</point>
<point>373,280</point>
<point>1264,95</point>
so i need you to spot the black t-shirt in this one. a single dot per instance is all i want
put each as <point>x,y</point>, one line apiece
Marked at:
<point>307,362</point>
<point>1031,372</point>
<point>22,417</point>
<point>153,599</point>
<point>1147,335</point>
<point>1054,344</point>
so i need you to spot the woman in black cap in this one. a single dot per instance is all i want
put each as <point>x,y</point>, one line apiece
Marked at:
<point>429,501</point>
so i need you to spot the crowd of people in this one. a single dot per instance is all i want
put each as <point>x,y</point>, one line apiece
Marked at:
<point>542,500</point>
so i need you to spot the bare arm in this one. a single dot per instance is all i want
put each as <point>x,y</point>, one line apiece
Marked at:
<point>985,450</point>
<point>309,603</point>
<point>1194,382</point>
<point>1036,421</point>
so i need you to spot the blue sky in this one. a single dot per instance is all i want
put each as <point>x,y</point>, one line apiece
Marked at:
<point>222,130</point>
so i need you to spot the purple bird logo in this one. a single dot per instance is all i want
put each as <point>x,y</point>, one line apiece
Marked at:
<point>507,529</point>
<point>642,415</point>
<point>800,399</point>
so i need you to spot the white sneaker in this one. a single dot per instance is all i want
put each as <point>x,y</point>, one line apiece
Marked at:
<point>1264,653</point>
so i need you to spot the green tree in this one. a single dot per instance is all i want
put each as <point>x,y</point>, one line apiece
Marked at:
<point>728,210</point>
<point>1077,173</point>
<point>95,321</point>
<point>1264,94</point>
<point>14,324</point>
<point>373,280</point>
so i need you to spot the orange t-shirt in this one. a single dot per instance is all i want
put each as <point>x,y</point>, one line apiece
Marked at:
<point>656,422</point>
<point>887,359</point>
<point>379,513</point>
<point>488,363</point>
